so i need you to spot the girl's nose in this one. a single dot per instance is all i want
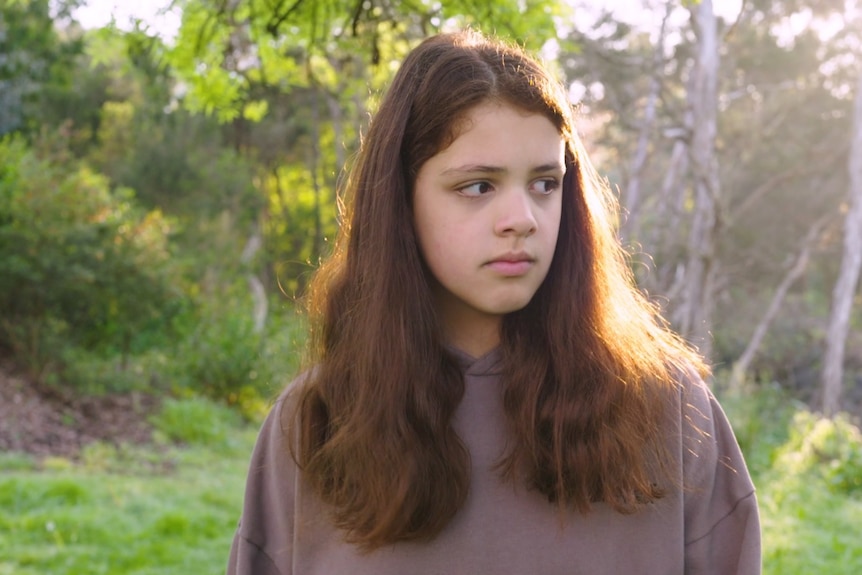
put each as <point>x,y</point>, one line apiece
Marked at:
<point>515,216</point>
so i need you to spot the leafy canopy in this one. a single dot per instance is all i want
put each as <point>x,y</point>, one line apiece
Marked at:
<point>225,48</point>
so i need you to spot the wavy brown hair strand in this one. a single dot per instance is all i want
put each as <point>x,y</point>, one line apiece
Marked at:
<point>589,430</point>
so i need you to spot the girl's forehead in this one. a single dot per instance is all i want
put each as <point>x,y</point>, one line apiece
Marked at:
<point>500,137</point>
<point>489,114</point>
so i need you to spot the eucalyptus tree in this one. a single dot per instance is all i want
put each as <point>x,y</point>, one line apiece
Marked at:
<point>845,288</point>
<point>693,315</point>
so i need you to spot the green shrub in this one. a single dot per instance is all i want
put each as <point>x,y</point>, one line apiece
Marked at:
<point>81,264</point>
<point>222,357</point>
<point>809,500</point>
<point>97,371</point>
<point>281,352</point>
<point>195,420</point>
<point>38,343</point>
<point>219,356</point>
<point>828,448</point>
<point>759,436</point>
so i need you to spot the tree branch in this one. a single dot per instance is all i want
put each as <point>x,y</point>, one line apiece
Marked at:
<point>278,19</point>
<point>740,367</point>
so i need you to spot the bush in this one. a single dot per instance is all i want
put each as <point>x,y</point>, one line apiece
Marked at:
<point>219,354</point>
<point>95,373</point>
<point>195,420</point>
<point>828,448</point>
<point>759,436</point>
<point>77,259</point>
<point>222,357</point>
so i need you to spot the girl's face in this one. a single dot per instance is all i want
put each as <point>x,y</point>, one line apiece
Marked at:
<point>487,214</point>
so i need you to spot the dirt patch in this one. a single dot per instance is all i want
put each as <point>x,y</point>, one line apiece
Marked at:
<point>45,420</point>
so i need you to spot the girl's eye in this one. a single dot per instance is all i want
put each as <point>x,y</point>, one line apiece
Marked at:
<point>545,187</point>
<point>475,190</point>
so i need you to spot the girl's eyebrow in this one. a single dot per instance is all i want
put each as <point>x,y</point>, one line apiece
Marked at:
<point>469,169</point>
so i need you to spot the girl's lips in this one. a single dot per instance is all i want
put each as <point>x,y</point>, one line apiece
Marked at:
<point>511,267</point>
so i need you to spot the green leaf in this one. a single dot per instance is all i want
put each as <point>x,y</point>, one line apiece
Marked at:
<point>255,111</point>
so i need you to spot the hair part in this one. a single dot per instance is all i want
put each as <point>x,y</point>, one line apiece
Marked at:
<point>589,366</point>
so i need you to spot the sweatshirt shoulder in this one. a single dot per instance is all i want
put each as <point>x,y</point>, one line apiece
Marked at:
<point>709,443</point>
<point>722,524</point>
<point>263,541</point>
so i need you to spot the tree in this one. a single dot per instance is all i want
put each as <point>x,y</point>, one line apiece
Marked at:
<point>694,314</point>
<point>80,264</point>
<point>630,227</point>
<point>33,60</point>
<point>779,142</point>
<point>848,278</point>
<point>662,96</point>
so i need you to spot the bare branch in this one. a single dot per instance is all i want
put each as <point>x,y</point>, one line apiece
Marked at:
<point>740,367</point>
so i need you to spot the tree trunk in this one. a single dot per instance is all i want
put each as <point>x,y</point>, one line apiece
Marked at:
<point>631,228</point>
<point>848,277</point>
<point>694,317</point>
<point>258,292</point>
<point>663,238</point>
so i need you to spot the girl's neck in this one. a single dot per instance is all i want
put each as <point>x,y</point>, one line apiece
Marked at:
<point>475,335</point>
<point>471,330</point>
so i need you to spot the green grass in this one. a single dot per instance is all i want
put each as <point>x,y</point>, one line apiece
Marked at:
<point>173,510</point>
<point>808,528</point>
<point>124,511</point>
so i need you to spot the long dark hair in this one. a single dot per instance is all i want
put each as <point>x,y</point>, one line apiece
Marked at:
<point>589,365</point>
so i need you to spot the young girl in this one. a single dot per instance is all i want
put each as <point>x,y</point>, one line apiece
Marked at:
<point>488,391</point>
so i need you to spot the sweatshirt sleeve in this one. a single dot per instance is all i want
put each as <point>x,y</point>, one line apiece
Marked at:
<point>722,523</point>
<point>263,541</point>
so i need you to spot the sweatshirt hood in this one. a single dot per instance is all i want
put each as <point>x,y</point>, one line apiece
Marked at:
<point>490,363</point>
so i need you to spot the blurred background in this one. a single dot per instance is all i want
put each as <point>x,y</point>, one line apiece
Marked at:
<point>169,179</point>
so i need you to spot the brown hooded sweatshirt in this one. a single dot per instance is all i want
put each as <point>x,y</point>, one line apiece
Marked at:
<point>710,527</point>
